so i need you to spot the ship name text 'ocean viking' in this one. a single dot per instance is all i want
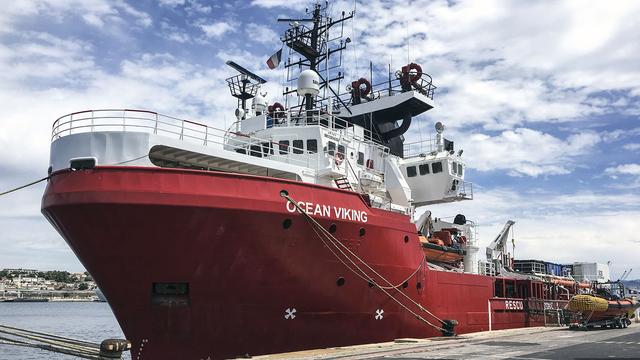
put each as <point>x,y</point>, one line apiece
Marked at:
<point>329,211</point>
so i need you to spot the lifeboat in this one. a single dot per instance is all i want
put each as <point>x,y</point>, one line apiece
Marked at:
<point>435,249</point>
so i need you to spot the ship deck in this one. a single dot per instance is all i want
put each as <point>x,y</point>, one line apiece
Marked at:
<point>527,343</point>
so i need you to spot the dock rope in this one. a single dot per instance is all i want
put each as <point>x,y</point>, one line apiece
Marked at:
<point>358,271</point>
<point>24,186</point>
<point>13,336</point>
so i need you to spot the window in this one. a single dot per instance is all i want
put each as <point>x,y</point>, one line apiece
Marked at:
<point>360,158</point>
<point>332,148</point>
<point>298,146</point>
<point>312,146</point>
<point>460,170</point>
<point>424,169</point>
<point>341,149</point>
<point>284,147</point>
<point>454,168</point>
<point>411,171</point>
<point>436,167</point>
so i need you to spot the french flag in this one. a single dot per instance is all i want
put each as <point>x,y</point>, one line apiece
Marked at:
<point>274,60</point>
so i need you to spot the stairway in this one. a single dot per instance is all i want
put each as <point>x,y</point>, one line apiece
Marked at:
<point>343,183</point>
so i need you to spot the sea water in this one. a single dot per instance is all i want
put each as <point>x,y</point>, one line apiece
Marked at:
<point>89,321</point>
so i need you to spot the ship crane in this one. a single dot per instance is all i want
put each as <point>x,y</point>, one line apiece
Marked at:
<point>496,250</point>
<point>625,274</point>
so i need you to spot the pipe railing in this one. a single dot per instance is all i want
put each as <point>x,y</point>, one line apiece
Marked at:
<point>124,120</point>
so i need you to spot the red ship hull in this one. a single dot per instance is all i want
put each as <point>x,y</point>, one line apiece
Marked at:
<point>222,234</point>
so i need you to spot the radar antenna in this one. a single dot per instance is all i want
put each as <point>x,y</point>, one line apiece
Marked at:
<point>243,86</point>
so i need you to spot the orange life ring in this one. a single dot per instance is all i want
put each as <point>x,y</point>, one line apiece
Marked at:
<point>406,72</point>
<point>276,110</point>
<point>355,86</point>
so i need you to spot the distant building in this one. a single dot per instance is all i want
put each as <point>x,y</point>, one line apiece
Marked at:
<point>584,271</point>
<point>21,271</point>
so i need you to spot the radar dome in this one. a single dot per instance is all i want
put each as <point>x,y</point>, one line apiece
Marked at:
<point>308,83</point>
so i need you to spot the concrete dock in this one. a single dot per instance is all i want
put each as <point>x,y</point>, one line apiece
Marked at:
<point>525,344</point>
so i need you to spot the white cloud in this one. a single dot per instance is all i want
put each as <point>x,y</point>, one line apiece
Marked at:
<point>93,12</point>
<point>262,34</point>
<point>624,169</point>
<point>291,4</point>
<point>216,29</point>
<point>632,146</point>
<point>524,151</point>
<point>171,3</point>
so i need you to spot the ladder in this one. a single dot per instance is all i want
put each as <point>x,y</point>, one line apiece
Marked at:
<point>343,183</point>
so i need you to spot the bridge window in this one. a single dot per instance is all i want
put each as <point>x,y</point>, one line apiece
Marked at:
<point>341,149</point>
<point>284,147</point>
<point>411,171</point>
<point>298,146</point>
<point>312,146</point>
<point>454,168</point>
<point>332,148</point>
<point>360,158</point>
<point>424,169</point>
<point>436,167</point>
<point>460,169</point>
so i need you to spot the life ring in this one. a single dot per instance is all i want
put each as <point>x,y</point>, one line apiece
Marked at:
<point>338,158</point>
<point>406,72</point>
<point>355,86</point>
<point>276,110</point>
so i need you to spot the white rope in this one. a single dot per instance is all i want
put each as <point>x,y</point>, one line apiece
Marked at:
<point>363,275</point>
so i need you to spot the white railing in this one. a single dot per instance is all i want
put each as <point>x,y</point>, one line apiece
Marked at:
<point>153,123</point>
<point>419,147</point>
<point>295,117</point>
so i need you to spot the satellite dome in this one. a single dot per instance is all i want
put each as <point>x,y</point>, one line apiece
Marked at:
<point>308,83</point>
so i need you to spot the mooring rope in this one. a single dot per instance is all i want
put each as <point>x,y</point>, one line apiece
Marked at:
<point>363,274</point>
<point>111,348</point>
<point>24,186</point>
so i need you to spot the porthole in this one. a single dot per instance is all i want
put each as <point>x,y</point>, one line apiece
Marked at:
<point>405,284</point>
<point>406,238</point>
<point>333,228</point>
<point>284,193</point>
<point>362,231</point>
<point>340,281</point>
<point>286,223</point>
<point>418,285</point>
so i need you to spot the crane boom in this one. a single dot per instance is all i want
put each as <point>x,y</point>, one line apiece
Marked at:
<point>498,245</point>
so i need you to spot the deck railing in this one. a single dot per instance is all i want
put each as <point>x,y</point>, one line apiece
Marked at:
<point>153,123</point>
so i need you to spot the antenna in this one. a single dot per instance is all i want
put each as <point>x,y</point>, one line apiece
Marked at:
<point>243,87</point>
<point>244,71</point>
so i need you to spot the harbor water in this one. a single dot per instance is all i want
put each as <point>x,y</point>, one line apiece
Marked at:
<point>90,321</point>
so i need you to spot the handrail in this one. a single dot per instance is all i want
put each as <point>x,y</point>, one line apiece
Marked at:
<point>126,120</point>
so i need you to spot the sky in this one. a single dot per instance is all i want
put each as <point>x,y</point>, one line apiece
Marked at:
<point>542,96</point>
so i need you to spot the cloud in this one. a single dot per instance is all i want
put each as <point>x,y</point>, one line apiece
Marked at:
<point>625,169</point>
<point>290,4</point>
<point>524,151</point>
<point>262,34</point>
<point>217,29</point>
<point>632,146</point>
<point>96,13</point>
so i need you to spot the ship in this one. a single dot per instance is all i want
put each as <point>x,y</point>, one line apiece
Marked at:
<point>300,226</point>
